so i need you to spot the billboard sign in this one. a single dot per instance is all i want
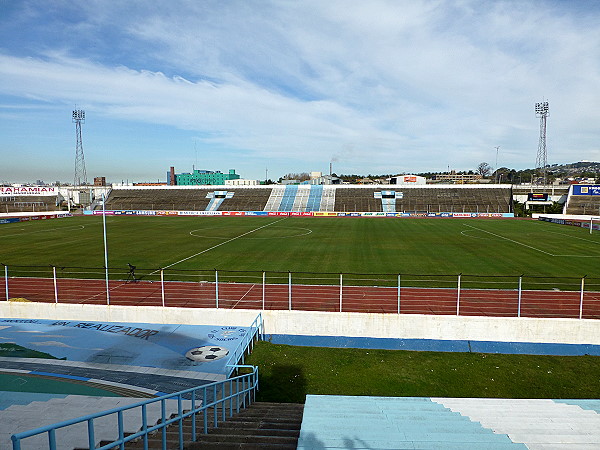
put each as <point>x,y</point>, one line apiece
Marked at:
<point>580,189</point>
<point>47,191</point>
<point>537,197</point>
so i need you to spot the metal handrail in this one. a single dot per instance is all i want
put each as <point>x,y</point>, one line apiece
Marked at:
<point>243,397</point>
<point>237,355</point>
<point>247,393</point>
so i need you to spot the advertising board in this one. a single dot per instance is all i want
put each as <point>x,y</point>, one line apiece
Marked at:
<point>299,214</point>
<point>580,189</point>
<point>537,197</point>
<point>8,191</point>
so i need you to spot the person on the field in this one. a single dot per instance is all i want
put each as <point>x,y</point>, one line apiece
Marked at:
<point>131,275</point>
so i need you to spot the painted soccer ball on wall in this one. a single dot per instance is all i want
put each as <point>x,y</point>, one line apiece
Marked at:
<point>207,353</point>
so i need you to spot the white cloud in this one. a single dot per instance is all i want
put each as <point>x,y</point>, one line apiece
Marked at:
<point>418,85</point>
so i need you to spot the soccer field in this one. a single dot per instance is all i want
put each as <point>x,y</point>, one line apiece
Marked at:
<point>349,245</point>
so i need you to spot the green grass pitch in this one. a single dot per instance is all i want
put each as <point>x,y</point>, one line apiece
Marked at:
<point>349,245</point>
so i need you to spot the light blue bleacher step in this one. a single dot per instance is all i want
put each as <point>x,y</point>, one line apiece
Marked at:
<point>390,422</point>
<point>8,399</point>
<point>289,196</point>
<point>19,418</point>
<point>314,198</point>
<point>592,405</point>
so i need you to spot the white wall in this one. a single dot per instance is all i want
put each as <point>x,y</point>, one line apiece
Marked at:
<point>309,323</point>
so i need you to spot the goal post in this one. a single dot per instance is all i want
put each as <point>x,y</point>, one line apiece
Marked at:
<point>592,220</point>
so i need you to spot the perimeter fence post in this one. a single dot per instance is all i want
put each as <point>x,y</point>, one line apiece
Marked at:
<point>162,286</point>
<point>341,290</point>
<point>263,290</point>
<point>520,295</point>
<point>458,295</point>
<point>290,291</point>
<point>6,281</point>
<point>55,286</point>
<point>581,297</point>
<point>398,293</point>
<point>217,288</point>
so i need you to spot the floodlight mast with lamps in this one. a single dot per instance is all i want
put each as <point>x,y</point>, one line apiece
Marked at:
<point>80,177</point>
<point>541,161</point>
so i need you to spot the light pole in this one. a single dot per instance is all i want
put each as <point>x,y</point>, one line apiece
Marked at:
<point>541,162</point>
<point>105,247</point>
<point>497,148</point>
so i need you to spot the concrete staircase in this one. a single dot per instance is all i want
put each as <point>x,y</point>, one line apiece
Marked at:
<point>538,423</point>
<point>261,426</point>
<point>18,418</point>
<point>339,422</point>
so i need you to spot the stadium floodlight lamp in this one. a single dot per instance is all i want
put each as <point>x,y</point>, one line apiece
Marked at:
<point>78,114</point>
<point>542,108</point>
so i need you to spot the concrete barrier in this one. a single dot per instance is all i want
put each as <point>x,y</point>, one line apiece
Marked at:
<point>311,323</point>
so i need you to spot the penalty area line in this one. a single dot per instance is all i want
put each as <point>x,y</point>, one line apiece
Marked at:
<point>511,240</point>
<point>218,245</point>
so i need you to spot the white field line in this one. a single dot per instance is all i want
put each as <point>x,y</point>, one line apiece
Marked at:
<point>575,237</point>
<point>70,227</point>
<point>534,248</point>
<point>308,231</point>
<point>511,240</point>
<point>215,246</point>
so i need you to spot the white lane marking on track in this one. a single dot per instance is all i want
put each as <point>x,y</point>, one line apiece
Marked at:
<point>215,246</point>
<point>242,297</point>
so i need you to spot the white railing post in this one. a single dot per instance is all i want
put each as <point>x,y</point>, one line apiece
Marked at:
<point>581,297</point>
<point>263,289</point>
<point>458,295</point>
<point>520,295</point>
<point>290,291</point>
<point>341,290</point>
<point>6,281</point>
<point>398,293</point>
<point>55,286</point>
<point>162,286</point>
<point>217,288</point>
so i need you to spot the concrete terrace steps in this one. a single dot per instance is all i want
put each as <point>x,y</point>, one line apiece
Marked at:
<point>19,418</point>
<point>538,423</point>
<point>387,423</point>
<point>262,425</point>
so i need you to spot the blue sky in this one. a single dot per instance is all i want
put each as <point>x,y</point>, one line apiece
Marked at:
<point>371,86</point>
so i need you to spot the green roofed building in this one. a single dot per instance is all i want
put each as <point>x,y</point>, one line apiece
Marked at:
<point>204,177</point>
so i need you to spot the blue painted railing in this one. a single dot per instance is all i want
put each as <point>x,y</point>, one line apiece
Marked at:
<point>246,344</point>
<point>232,394</point>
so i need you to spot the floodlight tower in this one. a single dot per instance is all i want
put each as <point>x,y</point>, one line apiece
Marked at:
<point>80,175</point>
<point>541,162</point>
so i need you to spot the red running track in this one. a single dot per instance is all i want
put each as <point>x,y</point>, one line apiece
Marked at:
<point>437,301</point>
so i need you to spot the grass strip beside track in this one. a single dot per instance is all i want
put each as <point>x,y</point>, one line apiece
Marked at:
<point>288,373</point>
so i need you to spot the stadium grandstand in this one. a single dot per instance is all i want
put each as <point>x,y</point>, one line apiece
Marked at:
<point>583,200</point>
<point>28,199</point>
<point>307,198</point>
